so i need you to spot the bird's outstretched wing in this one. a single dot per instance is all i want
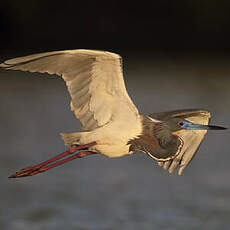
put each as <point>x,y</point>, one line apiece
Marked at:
<point>94,80</point>
<point>192,138</point>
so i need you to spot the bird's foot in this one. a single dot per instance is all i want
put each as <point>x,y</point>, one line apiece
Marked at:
<point>54,161</point>
<point>28,171</point>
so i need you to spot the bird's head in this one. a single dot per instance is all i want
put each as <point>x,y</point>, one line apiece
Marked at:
<point>176,124</point>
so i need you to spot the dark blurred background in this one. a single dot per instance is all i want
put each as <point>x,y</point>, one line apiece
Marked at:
<point>115,25</point>
<point>176,56</point>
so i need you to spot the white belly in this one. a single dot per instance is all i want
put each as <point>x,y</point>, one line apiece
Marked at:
<point>112,138</point>
<point>112,150</point>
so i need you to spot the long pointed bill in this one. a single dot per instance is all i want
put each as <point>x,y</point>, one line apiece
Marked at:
<point>193,126</point>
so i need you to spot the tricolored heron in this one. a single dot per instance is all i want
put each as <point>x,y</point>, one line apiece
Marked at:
<point>111,122</point>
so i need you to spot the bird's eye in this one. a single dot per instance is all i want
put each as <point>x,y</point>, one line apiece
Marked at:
<point>181,123</point>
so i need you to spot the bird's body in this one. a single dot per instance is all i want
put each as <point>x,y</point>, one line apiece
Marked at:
<point>111,122</point>
<point>112,139</point>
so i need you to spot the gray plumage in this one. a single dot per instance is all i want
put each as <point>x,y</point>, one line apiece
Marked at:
<point>158,140</point>
<point>191,138</point>
<point>167,142</point>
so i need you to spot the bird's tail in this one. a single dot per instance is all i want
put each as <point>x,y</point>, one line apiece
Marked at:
<point>71,138</point>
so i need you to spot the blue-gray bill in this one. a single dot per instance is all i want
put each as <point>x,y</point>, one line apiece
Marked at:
<point>193,126</point>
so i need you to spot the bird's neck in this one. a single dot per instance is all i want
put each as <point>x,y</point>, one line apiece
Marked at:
<point>156,139</point>
<point>163,134</point>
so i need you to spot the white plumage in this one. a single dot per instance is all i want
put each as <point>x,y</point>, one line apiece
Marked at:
<point>99,97</point>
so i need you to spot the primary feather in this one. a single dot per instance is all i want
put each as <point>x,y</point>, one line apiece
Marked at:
<point>94,80</point>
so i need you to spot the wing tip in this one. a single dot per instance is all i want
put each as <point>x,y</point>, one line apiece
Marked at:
<point>4,65</point>
<point>180,171</point>
<point>28,58</point>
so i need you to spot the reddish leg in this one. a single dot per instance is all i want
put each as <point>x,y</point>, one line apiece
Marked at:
<point>53,162</point>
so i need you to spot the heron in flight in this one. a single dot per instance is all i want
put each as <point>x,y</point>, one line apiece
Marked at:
<point>111,123</point>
